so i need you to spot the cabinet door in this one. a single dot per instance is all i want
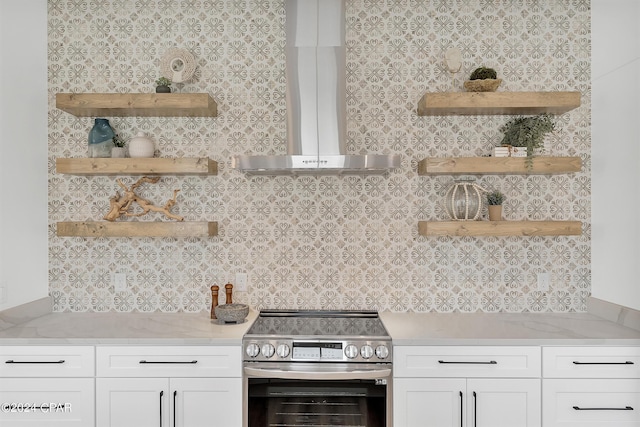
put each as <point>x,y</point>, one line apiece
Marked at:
<point>591,362</point>
<point>169,361</point>
<point>51,402</point>
<point>200,402</point>
<point>428,402</point>
<point>503,402</point>
<point>591,402</point>
<point>466,361</point>
<point>47,361</point>
<point>132,402</point>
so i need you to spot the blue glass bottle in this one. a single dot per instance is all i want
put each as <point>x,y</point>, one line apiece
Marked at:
<point>101,139</point>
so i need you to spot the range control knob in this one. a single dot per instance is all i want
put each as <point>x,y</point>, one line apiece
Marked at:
<point>253,350</point>
<point>382,352</point>
<point>268,350</point>
<point>366,351</point>
<point>351,351</point>
<point>282,351</point>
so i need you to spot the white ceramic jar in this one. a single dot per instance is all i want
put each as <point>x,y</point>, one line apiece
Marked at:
<point>141,146</point>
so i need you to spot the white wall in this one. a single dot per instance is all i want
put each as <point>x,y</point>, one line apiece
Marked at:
<point>616,151</point>
<point>23,151</point>
<point>615,118</point>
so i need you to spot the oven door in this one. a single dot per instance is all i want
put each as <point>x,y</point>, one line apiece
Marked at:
<point>317,394</point>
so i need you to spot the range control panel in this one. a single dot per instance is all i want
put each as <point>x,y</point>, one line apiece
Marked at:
<point>370,351</point>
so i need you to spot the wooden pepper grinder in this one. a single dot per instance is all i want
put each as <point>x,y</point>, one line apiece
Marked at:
<point>214,300</point>
<point>228,289</point>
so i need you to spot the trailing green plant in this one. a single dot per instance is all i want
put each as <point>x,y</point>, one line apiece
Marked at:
<point>118,142</point>
<point>528,132</point>
<point>163,81</point>
<point>483,73</point>
<point>495,198</point>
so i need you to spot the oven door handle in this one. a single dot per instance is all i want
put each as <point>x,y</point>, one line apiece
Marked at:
<point>315,375</point>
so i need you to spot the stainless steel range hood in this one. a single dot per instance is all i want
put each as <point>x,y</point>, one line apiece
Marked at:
<point>316,99</point>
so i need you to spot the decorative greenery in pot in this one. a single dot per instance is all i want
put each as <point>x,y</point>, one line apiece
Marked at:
<point>494,200</point>
<point>483,79</point>
<point>118,142</point>
<point>527,132</point>
<point>163,85</point>
<point>118,149</point>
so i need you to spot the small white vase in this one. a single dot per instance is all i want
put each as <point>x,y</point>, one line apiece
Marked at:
<point>141,146</point>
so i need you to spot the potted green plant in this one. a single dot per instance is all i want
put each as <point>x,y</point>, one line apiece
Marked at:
<point>483,79</point>
<point>527,132</point>
<point>119,150</point>
<point>494,202</point>
<point>163,85</point>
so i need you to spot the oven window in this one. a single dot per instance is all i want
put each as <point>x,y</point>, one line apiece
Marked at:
<point>294,403</point>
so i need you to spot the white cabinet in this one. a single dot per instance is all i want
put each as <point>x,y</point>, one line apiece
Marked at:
<point>47,386</point>
<point>591,386</point>
<point>467,386</point>
<point>188,402</point>
<point>168,386</point>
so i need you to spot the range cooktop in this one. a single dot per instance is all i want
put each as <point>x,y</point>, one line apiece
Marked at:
<point>317,336</point>
<point>312,323</point>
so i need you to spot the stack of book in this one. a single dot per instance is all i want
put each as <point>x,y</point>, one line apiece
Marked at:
<point>509,151</point>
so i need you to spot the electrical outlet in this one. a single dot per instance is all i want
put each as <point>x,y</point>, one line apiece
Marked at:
<point>120,281</point>
<point>241,282</point>
<point>544,280</point>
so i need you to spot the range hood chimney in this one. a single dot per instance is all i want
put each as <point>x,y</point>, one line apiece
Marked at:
<point>316,99</point>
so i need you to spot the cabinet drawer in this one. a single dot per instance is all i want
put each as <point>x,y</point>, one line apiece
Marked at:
<point>182,361</point>
<point>591,403</point>
<point>47,361</point>
<point>51,402</point>
<point>466,361</point>
<point>591,362</point>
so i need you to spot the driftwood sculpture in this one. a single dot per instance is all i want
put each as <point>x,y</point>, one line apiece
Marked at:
<point>120,205</point>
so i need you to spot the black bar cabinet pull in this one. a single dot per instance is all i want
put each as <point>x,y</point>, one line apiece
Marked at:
<point>461,413</point>
<point>628,362</point>
<point>161,394</point>
<point>175,395</point>
<point>490,362</point>
<point>626,408</point>
<point>43,362</point>
<point>166,362</point>
<point>475,410</point>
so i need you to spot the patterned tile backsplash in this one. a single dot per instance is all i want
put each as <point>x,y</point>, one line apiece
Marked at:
<point>346,242</point>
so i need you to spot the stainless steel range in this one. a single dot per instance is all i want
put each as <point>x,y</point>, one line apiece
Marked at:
<point>317,368</point>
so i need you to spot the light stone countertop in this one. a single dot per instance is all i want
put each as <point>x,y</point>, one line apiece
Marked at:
<point>126,329</point>
<point>404,328</point>
<point>506,329</point>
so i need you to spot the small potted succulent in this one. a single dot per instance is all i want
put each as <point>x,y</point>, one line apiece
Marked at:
<point>527,132</point>
<point>494,202</point>
<point>163,85</point>
<point>119,150</point>
<point>483,79</point>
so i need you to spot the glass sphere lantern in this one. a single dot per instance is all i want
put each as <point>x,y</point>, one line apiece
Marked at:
<point>464,200</point>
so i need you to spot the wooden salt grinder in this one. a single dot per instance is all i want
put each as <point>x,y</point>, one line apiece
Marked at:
<point>228,289</point>
<point>214,300</point>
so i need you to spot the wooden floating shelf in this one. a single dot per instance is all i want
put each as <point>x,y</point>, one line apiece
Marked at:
<point>137,229</point>
<point>499,228</point>
<point>498,165</point>
<point>137,104</point>
<point>137,166</point>
<point>493,103</point>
